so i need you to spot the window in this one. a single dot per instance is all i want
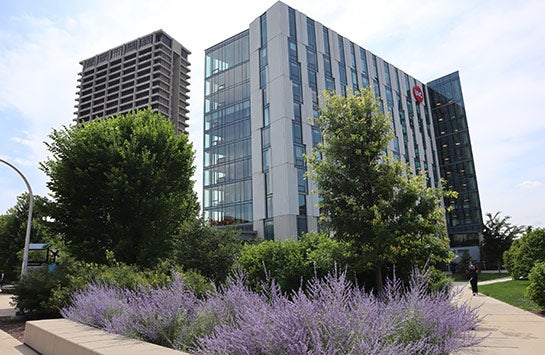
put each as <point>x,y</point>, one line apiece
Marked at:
<point>263,24</point>
<point>293,30</point>
<point>302,204</point>
<point>326,40</point>
<point>263,78</point>
<point>268,183</point>
<point>329,83</point>
<point>316,136</point>
<point>327,66</point>
<point>312,61</point>
<point>146,40</point>
<point>292,49</point>
<point>268,227</point>
<point>266,137</point>
<point>353,55</point>
<point>297,112</point>
<point>302,225</point>
<point>161,37</point>
<point>311,33</point>
<point>269,206</point>
<point>299,150</point>
<point>263,58</point>
<point>301,181</point>
<point>266,115</point>
<point>375,66</point>
<point>266,159</point>
<point>341,49</point>
<point>295,71</point>
<point>297,132</point>
<point>297,92</point>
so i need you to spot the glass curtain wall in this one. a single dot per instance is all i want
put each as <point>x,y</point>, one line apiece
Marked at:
<point>464,220</point>
<point>227,195</point>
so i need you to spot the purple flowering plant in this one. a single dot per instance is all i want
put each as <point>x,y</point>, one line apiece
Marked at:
<point>331,316</point>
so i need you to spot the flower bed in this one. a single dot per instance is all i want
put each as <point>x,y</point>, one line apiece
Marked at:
<point>331,316</point>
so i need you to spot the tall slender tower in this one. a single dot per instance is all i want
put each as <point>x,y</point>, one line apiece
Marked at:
<point>151,71</point>
<point>464,217</point>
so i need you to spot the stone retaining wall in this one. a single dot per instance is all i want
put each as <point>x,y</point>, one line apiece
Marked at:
<point>62,337</point>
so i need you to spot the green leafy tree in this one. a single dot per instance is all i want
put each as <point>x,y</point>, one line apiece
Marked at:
<point>498,235</point>
<point>463,265</point>
<point>13,231</point>
<point>208,250</point>
<point>369,198</point>
<point>122,184</point>
<point>525,252</point>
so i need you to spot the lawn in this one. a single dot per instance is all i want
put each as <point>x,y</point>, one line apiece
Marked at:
<point>482,276</point>
<point>512,292</point>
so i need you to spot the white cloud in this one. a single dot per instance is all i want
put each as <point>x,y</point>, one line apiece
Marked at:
<point>528,184</point>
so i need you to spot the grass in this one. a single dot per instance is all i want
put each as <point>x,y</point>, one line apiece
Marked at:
<point>511,292</point>
<point>482,276</point>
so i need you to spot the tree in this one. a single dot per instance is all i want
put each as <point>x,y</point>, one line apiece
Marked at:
<point>525,252</point>
<point>207,249</point>
<point>13,229</point>
<point>369,198</point>
<point>498,235</point>
<point>463,265</point>
<point>121,184</point>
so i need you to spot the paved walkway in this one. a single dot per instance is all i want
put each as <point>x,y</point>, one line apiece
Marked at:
<point>510,330</point>
<point>8,344</point>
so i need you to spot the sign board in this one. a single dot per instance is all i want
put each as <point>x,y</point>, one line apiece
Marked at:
<point>418,94</point>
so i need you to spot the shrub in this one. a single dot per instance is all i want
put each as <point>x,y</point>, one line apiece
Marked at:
<point>536,288</point>
<point>33,293</point>
<point>292,263</point>
<point>332,316</point>
<point>207,249</point>
<point>42,293</point>
<point>525,252</point>
<point>438,280</point>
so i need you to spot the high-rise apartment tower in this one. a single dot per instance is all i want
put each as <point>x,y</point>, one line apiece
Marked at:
<point>261,86</point>
<point>151,71</point>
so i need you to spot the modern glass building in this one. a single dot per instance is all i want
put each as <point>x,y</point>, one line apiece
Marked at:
<point>464,219</point>
<point>150,71</point>
<point>261,88</point>
<point>227,139</point>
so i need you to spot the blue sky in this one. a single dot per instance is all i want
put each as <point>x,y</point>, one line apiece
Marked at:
<point>497,46</point>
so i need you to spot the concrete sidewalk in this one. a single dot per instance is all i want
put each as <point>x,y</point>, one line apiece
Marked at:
<point>5,308</point>
<point>509,330</point>
<point>8,344</point>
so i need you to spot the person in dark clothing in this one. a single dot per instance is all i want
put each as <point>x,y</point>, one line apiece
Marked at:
<point>472,271</point>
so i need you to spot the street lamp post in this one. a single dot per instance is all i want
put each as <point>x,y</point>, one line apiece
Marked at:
<point>29,221</point>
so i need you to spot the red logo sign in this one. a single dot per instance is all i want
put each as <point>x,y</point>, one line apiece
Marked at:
<point>418,94</point>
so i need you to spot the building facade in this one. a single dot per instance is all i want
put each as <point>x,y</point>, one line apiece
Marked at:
<point>261,88</point>
<point>464,217</point>
<point>150,71</point>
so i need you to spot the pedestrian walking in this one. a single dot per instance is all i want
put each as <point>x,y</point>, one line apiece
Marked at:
<point>472,271</point>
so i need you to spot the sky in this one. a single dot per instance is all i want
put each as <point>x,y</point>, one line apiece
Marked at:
<point>498,47</point>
